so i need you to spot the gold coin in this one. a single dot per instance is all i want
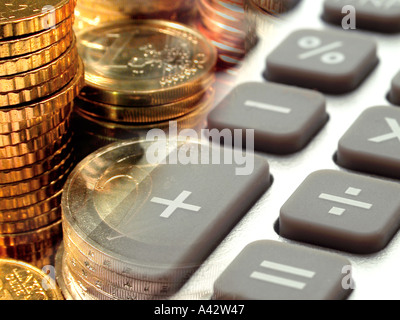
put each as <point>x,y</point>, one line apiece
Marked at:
<point>219,27</point>
<point>98,133</point>
<point>138,8</point>
<point>40,259</point>
<point>25,249</point>
<point>31,224</point>
<point>48,105</point>
<point>228,15</point>
<point>32,211</point>
<point>35,144</point>
<point>55,117</point>
<point>22,17</point>
<point>50,232</point>
<point>15,65</point>
<point>22,281</point>
<point>34,253</point>
<point>36,196</point>
<point>36,156</point>
<point>140,114</point>
<point>24,135</point>
<point>36,169</point>
<point>40,75</point>
<point>39,91</point>
<point>36,41</point>
<point>145,62</point>
<point>28,186</point>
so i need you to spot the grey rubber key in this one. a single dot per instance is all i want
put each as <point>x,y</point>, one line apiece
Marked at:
<point>395,90</point>
<point>329,61</point>
<point>284,118</point>
<point>179,215</point>
<point>377,15</point>
<point>269,270</point>
<point>372,143</point>
<point>344,211</point>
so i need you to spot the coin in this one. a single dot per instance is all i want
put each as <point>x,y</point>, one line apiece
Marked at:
<point>52,119</point>
<point>89,185</point>
<point>63,284</point>
<point>36,41</point>
<point>43,260</point>
<point>31,224</point>
<point>39,142</point>
<point>144,62</point>
<point>137,8</point>
<point>80,261</point>
<point>39,91</point>
<point>18,251</point>
<point>49,232</point>
<point>28,159</point>
<point>21,281</point>
<point>27,199</point>
<point>24,17</point>
<point>228,15</point>
<point>222,27</point>
<point>37,168</point>
<point>105,132</point>
<point>100,289</point>
<point>142,115</point>
<point>225,45</point>
<point>36,183</point>
<point>40,75</point>
<point>48,105</point>
<point>49,123</point>
<point>30,212</point>
<point>15,65</point>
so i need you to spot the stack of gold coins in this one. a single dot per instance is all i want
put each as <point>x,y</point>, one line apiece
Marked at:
<point>40,75</point>
<point>140,75</point>
<point>93,13</point>
<point>223,22</point>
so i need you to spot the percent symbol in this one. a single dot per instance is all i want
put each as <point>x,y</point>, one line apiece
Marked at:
<point>315,48</point>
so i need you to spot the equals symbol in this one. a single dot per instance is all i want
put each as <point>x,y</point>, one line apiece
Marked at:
<point>351,192</point>
<point>284,282</point>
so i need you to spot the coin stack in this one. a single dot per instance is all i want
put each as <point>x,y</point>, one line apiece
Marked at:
<point>140,75</point>
<point>105,254</point>
<point>223,22</point>
<point>40,75</point>
<point>93,13</point>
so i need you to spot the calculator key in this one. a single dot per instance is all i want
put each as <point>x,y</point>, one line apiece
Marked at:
<point>159,219</point>
<point>372,143</point>
<point>395,91</point>
<point>284,118</point>
<point>381,15</point>
<point>342,211</point>
<point>329,61</point>
<point>270,270</point>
